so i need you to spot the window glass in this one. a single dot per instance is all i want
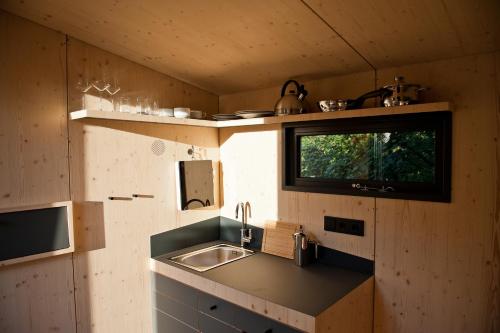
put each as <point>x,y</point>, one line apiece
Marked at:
<point>396,156</point>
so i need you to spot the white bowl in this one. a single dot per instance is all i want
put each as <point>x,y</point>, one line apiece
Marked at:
<point>181,112</point>
<point>166,112</point>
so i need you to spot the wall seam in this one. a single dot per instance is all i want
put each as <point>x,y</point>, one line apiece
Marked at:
<point>69,174</point>
<point>375,78</point>
<point>338,34</point>
<point>495,322</point>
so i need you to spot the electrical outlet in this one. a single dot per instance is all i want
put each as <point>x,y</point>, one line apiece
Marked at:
<point>344,226</point>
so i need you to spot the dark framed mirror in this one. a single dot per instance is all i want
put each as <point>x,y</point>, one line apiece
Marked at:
<point>196,184</point>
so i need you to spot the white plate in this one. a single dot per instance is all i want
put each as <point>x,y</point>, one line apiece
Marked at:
<point>254,112</point>
<point>255,115</point>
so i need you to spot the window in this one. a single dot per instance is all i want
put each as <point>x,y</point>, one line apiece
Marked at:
<point>398,156</point>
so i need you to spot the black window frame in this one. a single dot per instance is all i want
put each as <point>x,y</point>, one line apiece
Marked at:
<point>440,121</point>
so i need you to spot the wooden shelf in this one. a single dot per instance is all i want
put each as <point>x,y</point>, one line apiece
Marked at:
<point>428,107</point>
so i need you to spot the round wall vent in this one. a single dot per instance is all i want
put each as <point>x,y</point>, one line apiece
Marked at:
<point>158,147</point>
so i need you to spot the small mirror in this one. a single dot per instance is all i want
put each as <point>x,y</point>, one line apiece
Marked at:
<point>196,184</point>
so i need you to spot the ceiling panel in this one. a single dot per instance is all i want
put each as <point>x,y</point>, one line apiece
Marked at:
<point>391,33</point>
<point>222,46</point>
<point>227,46</point>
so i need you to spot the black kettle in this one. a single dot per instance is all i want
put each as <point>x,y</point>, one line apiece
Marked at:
<point>291,102</point>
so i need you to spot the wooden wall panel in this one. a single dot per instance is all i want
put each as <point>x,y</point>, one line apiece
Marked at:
<point>345,86</point>
<point>133,79</point>
<point>223,46</point>
<point>251,170</point>
<point>36,296</point>
<point>414,31</point>
<point>111,158</point>
<point>436,263</point>
<point>33,132</point>
<point>495,281</point>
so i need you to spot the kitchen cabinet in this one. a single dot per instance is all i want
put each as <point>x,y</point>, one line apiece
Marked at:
<point>180,308</point>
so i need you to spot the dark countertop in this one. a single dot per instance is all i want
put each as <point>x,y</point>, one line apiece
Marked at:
<point>309,290</point>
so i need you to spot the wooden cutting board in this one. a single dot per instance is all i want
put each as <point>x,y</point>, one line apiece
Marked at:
<point>278,238</point>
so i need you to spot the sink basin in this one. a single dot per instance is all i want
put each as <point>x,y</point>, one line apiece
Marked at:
<point>211,257</point>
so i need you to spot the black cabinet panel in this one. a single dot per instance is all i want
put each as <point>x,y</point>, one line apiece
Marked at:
<point>196,310</point>
<point>166,324</point>
<point>250,322</point>
<point>212,325</point>
<point>217,308</point>
<point>30,232</point>
<point>178,310</point>
<point>176,290</point>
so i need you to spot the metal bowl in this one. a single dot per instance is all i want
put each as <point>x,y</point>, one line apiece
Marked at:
<point>331,105</point>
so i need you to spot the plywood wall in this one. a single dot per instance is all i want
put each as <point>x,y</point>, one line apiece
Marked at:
<point>91,63</point>
<point>110,158</point>
<point>36,296</point>
<point>437,265</point>
<point>345,86</point>
<point>251,170</point>
<point>104,287</point>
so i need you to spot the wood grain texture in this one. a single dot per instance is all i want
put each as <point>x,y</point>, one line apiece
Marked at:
<point>366,112</point>
<point>35,296</point>
<point>495,281</point>
<point>110,158</point>
<point>344,86</point>
<point>260,183</point>
<point>351,314</point>
<point>234,46</point>
<point>223,46</point>
<point>33,133</point>
<point>89,226</point>
<point>389,35</point>
<point>38,296</point>
<point>69,213</point>
<point>278,238</point>
<point>435,263</point>
<point>91,63</point>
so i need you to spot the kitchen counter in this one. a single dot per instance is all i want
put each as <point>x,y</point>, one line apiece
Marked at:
<point>307,298</point>
<point>309,290</point>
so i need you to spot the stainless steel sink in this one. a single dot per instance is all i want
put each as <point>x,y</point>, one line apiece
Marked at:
<point>211,257</point>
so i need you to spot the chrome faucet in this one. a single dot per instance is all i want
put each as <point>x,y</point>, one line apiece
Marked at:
<point>246,233</point>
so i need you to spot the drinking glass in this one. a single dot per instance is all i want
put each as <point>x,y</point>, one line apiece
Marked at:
<point>124,104</point>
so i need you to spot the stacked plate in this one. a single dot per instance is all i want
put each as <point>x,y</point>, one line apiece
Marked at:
<point>225,116</point>
<point>254,113</point>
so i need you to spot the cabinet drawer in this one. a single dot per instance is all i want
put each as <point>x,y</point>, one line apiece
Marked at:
<point>250,322</point>
<point>212,325</point>
<point>217,308</point>
<point>165,324</point>
<point>178,310</point>
<point>175,290</point>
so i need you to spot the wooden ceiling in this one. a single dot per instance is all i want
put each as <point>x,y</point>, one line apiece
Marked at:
<point>227,46</point>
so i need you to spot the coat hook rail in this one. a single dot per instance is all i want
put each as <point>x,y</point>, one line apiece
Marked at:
<point>148,196</point>
<point>120,198</point>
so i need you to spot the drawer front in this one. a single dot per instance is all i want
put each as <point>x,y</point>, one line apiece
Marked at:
<point>212,325</point>
<point>217,308</point>
<point>163,323</point>
<point>176,290</point>
<point>250,322</point>
<point>178,310</point>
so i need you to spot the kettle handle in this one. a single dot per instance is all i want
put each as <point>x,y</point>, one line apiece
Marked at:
<point>300,88</point>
